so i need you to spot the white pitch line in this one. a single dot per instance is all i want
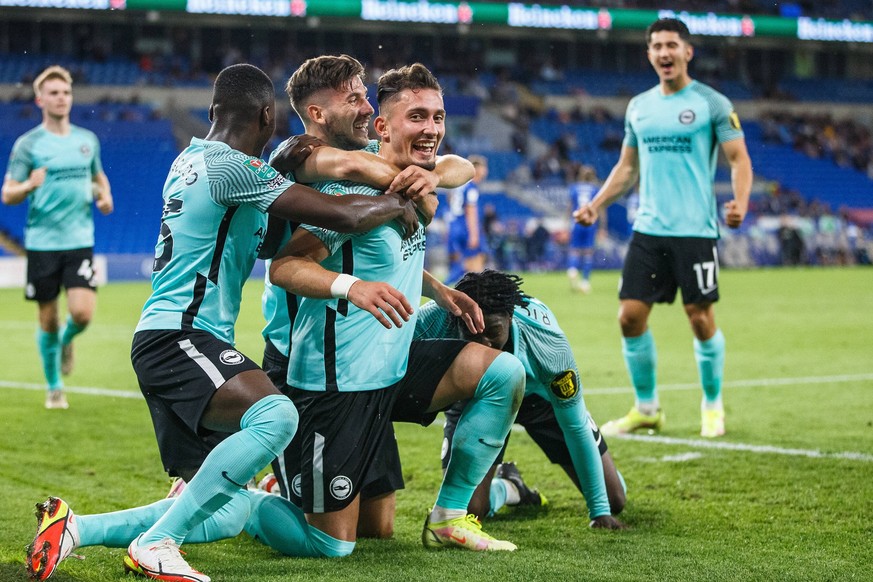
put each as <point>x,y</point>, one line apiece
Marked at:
<point>765,382</point>
<point>759,449</point>
<point>75,390</point>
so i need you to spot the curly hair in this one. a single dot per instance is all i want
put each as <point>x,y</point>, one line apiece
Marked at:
<point>496,292</point>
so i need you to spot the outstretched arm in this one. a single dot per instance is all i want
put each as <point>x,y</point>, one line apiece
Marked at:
<point>351,213</point>
<point>622,177</point>
<point>103,194</point>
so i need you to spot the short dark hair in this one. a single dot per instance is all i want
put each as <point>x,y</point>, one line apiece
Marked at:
<point>324,72</point>
<point>415,77</point>
<point>669,25</point>
<point>242,89</point>
<point>496,292</point>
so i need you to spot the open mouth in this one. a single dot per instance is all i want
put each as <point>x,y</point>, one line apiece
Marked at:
<point>425,147</point>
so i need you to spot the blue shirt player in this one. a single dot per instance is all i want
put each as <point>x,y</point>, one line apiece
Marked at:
<point>582,237</point>
<point>672,135</point>
<point>468,249</point>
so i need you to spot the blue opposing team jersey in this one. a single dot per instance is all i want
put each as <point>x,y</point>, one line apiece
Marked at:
<point>677,139</point>
<point>213,224</point>
<point>458,200</point>
<point>335,345</point>
<point>59,215</point>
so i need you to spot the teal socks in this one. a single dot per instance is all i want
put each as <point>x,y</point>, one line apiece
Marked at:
<point>482,430</point>
<point>266,429</point>
<point>280,524</point>
<point>71,330</point>
<point>641,359</point>
<point>50,354</point>
<point>710,364</point>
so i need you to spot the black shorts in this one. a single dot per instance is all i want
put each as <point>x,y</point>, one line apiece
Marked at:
<point>48,270</point>
<point>178,373</point>
<point>537,416</point>
<point>656,266</point>
<point>429,360</point>
<point>275,364</point>
<point>344,446</point>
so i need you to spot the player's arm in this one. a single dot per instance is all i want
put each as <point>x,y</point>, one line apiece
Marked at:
<point>623,176</point>
<point>296,269</point>
<point>103,193</point>
<point>351,213</point>
<point>420,185</point>
<point>455,302</point>
<point>741,181</point>
<point>15,192</point>
<point>471,216</point>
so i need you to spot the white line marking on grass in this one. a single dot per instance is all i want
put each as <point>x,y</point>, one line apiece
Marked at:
<point>760,449</point>
<point>745,383</point>
<point>75,390</point>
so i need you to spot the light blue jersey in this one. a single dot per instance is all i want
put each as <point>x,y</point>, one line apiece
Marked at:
<point>278,306</point>
<point>335,345</point>
<point>551,373</point>
<point>59,214</point>
<point>677,139</point>
<point>214,221</point>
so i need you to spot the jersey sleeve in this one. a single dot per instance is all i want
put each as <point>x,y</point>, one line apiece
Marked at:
<point>630,137</point>
<point>471,195</point>
<point>236,179</point>
<point>20,160</point>
<point>96,162</point>
<point>433,322</point>
<point>725,120</point>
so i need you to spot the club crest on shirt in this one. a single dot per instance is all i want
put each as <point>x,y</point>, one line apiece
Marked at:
<point>565,385</point>
<point>260,168</point>
<point>687,117</point>
<point>86,151</point>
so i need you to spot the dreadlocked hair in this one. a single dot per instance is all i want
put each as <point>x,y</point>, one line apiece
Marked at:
<point>496,292</point>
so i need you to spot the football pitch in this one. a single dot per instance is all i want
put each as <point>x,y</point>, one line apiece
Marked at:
<point>787,494</point>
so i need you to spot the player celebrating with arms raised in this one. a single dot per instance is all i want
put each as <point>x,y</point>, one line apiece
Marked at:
<point>671,136</point>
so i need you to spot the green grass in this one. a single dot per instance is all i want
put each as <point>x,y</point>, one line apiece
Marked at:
<point>799,378</point>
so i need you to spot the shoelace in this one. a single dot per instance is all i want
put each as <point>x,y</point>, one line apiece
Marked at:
<point>169,556</point>
<point>472,522</point>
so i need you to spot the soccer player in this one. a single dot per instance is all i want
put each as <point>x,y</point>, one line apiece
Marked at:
<point>553,410</point>
<point>671,136</point>
<point>194,381</point>
<point>351,374</point>
<point>582,237</point>
<point>330,97</point>
<point>57,166</point>
<point>467,246</point>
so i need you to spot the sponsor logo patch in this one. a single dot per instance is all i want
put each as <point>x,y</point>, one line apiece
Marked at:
<point>260,168</point>
<point>565,385</point>
<point>734,120</point>
<point>295,485</point>
<point>231,357</point>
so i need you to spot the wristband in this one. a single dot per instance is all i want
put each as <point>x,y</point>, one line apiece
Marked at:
<point>341,285</point>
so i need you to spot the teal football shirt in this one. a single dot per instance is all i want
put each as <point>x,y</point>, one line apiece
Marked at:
<point>59,215</point>
<point>214,221</point>
<point>335,345</point>
<point>677,139</point>
<point>278,306</point>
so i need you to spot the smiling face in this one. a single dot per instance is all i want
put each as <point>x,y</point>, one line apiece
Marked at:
<point>412,126</point>
<point>342,116</point>
<point>55,98</point>
<point>670,55</point>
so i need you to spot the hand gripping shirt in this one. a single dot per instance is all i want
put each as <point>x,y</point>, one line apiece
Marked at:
<point>677,139</point>
<point>335,345</point>
<point>551,373</point>
<point>214,221</point>
<point>59,215</point>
